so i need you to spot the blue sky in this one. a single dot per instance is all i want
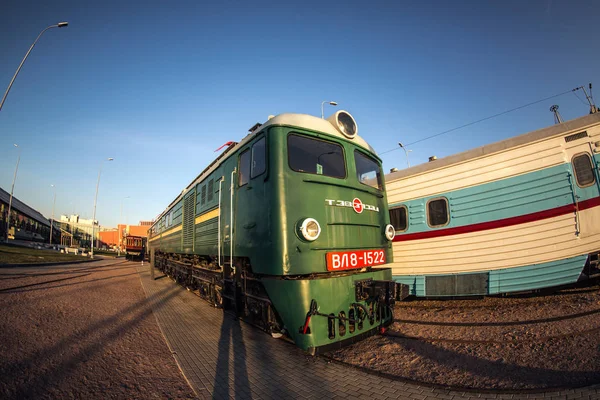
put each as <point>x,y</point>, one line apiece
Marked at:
<point>160,85</point>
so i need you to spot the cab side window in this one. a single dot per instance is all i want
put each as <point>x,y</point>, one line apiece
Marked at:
<point>259,159</point>
<point>244,168</point>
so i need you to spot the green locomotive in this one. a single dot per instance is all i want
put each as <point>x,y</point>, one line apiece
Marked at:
<point>284,229</point>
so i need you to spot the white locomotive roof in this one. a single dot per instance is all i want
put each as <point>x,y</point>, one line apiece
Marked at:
<point>303,121</point>
<point>313,123</point>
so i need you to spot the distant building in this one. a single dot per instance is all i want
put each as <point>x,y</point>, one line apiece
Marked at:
<point>81,229</point>
<point>25,222</point>
<point>76,219</point>
<point>113,238</point>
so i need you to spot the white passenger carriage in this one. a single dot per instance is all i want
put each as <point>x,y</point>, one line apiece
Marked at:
<point>517,215</point>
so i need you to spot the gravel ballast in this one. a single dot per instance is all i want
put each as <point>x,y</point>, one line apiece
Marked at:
<point>511,343</point>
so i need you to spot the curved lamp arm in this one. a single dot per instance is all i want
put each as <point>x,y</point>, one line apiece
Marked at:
<point>59,25</point>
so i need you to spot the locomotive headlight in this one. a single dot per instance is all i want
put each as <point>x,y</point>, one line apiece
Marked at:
<point>310,229</point>
<point>390,232</point>
<point>344,122</point>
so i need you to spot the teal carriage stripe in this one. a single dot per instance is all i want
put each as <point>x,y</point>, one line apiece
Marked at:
<point>525,198</point>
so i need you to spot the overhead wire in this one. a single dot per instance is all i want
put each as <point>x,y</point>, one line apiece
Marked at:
<point>481,120</point>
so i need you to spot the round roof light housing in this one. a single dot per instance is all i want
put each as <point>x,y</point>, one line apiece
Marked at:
<point>309,229</point>
<point>390,232</point>
<point>344,122</point>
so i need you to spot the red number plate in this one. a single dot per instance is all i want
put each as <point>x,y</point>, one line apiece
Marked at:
<point>341,260</point>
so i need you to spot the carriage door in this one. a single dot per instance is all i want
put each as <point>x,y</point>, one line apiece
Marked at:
<point>584,182</point>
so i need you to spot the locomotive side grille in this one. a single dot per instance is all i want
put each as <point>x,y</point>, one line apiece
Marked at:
<point>188,222</point>
<point>206,232</point>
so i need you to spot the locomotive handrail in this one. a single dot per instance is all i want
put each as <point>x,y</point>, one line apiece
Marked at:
<point>219,225</point>
<point>231,222</point>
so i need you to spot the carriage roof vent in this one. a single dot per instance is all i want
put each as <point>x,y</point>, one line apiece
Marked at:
<point>575,136</point>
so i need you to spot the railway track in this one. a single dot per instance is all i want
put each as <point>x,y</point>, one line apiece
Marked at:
<point>499,342</point>
<point>524,329</point>
<point>515,300</point>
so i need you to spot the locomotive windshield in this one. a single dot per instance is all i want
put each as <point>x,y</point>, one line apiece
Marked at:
<point>316,156</point>
<point>368,171</point>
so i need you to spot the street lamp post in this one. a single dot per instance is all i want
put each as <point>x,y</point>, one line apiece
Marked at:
<point>59,25</point>
<point>94,214</point>
<point>53,205</point>
<point>12,189</point>
<point>405,152</point>
<point>332,103</point>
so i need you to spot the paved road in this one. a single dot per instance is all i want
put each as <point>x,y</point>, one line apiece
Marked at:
<point>84,331</point>
<point>223,358</point>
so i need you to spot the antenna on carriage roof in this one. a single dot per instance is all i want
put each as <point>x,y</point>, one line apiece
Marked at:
<point>589,98</point>
<point>593,108</point>
<point>557,117</point>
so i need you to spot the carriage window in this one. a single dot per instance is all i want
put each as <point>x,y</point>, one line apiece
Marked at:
<point>398,218</point>
<point>316,156</point>
<point>259,164</point>
<point>244,168</point>
<point>584,170</point>
<point>368,171</point>
<point>437,212</point>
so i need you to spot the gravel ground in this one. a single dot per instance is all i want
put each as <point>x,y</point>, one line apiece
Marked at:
<point>519,342</point>
<point>85,331</point>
